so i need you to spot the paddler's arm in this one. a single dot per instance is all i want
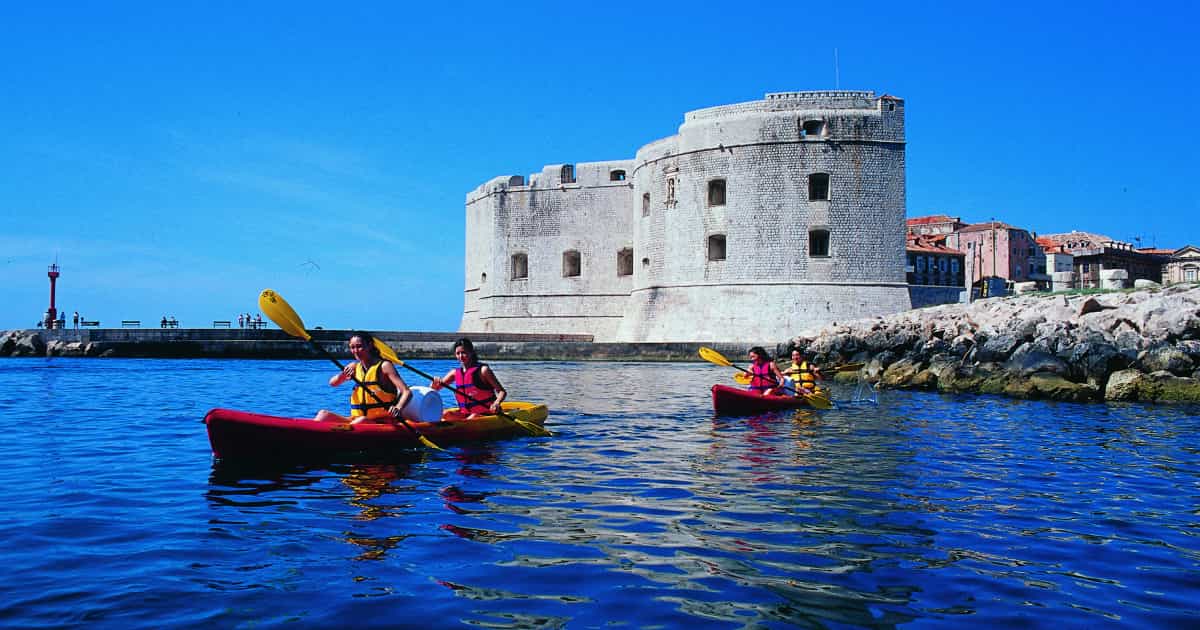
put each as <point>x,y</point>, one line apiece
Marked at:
<point>341,377</point>
<point>392,375</point>
<point>501,393</point>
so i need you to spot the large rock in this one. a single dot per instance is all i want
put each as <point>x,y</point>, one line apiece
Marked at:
<point>900,373</point>
<point>1123,385</point>
<point>1166,358</point>
<point>1166,387</point>
<point>29,345</point>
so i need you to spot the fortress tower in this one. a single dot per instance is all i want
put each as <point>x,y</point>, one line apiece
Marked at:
<point>757,220</point>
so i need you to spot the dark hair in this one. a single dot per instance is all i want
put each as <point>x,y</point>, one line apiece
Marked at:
<point>469,347</point>
<point>368,340</point>
<point>761,352</point>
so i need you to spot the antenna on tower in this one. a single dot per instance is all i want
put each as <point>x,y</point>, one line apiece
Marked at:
<point>837,73</point>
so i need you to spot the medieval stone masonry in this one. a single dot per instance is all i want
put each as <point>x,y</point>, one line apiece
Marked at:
<point>756,221</point>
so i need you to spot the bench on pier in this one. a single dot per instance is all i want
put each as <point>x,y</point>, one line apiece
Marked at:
<point>131,323</point>
<point>221,323</point>
<point>83,323</point>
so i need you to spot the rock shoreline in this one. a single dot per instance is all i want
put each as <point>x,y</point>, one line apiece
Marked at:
<point>1126,346</point>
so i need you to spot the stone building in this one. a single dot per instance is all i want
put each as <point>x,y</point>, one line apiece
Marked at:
<point>1184,265</point>
<point>755,221</point>
<point>1095,256</point>
<point>998,250</point>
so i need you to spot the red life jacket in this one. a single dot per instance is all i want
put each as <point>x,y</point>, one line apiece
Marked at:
<point>762,377</point>
<point>474,394</point>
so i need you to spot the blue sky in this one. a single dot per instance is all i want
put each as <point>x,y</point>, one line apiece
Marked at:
<point>177,158</point>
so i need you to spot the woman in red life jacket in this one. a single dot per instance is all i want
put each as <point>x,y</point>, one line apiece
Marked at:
<point>479,391</point>
<point>379,393</point>
<point>766,378</point>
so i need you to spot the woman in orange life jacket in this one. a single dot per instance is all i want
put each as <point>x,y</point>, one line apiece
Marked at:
<point>372,373</point>
<point>804,374</point>
<point>479,391</point>
<point>765,377</point>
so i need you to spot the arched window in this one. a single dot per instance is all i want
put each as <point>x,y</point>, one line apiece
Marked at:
<point>645,204</point>
<point>483,278</point>
<point>716,192</point>
<point>818,187</point>
<point>716,247</point>
<point>616,176</point>
<point>625,262</point>
<point>571,264</point>
<point>520,266</point>
<point>818,246</point>
<point>568,174</point>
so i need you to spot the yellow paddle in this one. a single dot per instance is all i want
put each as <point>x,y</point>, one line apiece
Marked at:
<point>390,355</point>
<point>286,318</point>
<point>712,356</point>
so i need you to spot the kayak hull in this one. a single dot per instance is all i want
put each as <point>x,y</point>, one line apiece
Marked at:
<point>735,401</point>
<point>242,435</point>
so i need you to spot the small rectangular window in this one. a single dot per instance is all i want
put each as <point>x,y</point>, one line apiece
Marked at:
<point>818,244</point>
<point>520,266</point>
<point>818,187</point>
<point>716,192</point>
<point>571,264</point>
<point>625,262</point>
<point>716,247</point>
<point>645,204</point>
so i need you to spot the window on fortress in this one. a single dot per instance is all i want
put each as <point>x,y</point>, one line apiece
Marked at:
<point>625,262</point>
<point>568,174</point>
<point>520,266</point>
<point>616,176</point>
<point>818,187</point>
<point>812,128</point>
<point>818,245</point>
<point>716,247</point>
<point>645,204</point>
<point>571,264</point>
<point>716,192</point>
<point>670,189</point>
<point>483,278</point>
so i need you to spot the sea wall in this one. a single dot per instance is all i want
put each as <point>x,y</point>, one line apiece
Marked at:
<point>1133,346</point>
<point>276,344</point>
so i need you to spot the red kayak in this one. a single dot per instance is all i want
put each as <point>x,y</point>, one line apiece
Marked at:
<point>243,435</point>
<point>735,401</point>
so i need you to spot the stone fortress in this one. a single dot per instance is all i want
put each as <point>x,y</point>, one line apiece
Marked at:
<point>756,221</point>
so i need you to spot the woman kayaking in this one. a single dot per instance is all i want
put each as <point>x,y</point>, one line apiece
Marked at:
<point>479,391</point>
<point>379,392</point>
<point>804,375</point>
<point>765,377</point>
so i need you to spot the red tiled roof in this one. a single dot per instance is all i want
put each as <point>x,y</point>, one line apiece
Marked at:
<point>933,218</point>
<point>990,225</point>
<point>1076,236</point>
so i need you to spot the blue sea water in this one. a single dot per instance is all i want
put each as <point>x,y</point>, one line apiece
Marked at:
<point>643,510</point>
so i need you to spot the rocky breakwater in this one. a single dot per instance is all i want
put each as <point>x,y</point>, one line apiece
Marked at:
<point>1132,346</point>
<point>28,343</point>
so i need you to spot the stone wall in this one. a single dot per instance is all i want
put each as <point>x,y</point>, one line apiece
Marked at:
<point>546,220</point>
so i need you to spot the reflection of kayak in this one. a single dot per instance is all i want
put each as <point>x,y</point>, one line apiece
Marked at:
<point>245,435</point>
<point>735,401</point>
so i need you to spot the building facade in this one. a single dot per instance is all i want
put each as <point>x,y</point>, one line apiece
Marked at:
<point>1093,254</point>
<point>1184,265</point>
<point>999,250</point>
<point>755,221</point>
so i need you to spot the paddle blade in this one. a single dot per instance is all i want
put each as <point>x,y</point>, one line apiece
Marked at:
<point>387,353</point>
<point>847,367</point>
<point>818,401</point>
<point>282,314</point>
<point>742,378</point>
<point>712,356</point>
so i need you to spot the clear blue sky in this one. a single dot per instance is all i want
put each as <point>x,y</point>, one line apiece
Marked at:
<point>178,157</point>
